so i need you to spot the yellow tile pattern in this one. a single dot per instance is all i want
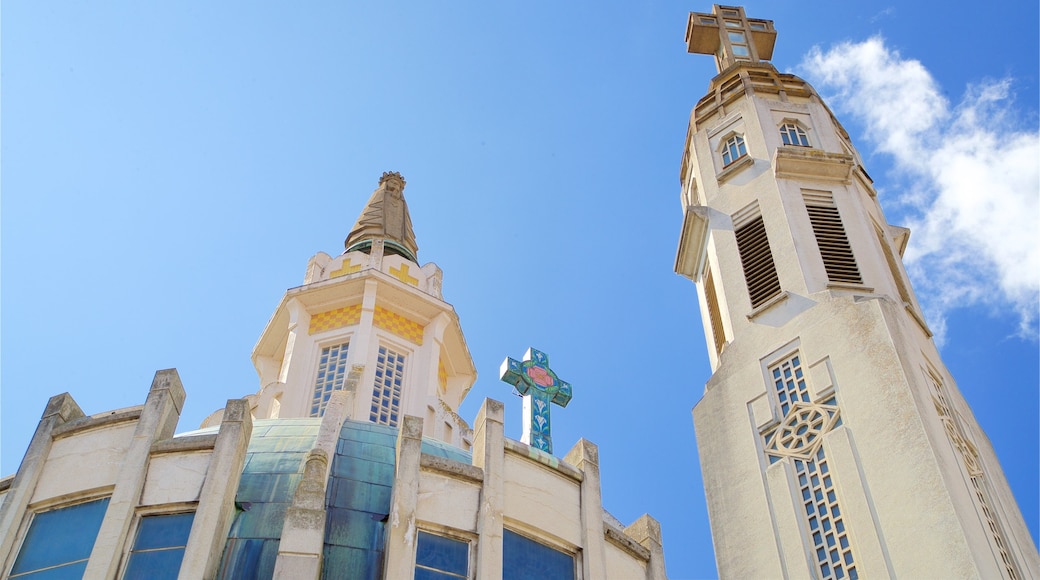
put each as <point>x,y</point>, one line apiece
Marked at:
<point>333,319</point>
<point>403,275</point>
<point>345,269</point>
<point>399,325</point>
<point>442,375</point>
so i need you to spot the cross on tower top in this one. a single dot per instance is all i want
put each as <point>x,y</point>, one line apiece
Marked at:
<point>730,36</point>
<point>539,386</point>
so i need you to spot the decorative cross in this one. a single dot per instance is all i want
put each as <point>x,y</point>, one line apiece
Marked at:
<point>730,35</point>
<point>539,386</point>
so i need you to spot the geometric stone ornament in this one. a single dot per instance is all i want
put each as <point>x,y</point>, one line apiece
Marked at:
<point>801,432</point>
<point>539,386</point>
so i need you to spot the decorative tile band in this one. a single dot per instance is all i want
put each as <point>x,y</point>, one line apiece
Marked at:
<point>333,319</point>
<point>442,375</point>
<point>393,322</point>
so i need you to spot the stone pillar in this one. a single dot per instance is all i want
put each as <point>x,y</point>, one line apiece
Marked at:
<point>647,531</point>
<point>158,421</point>
<point>400,541</point>
<point>60,409</point>
<point>585,456</point>
<point>217,502</point>
<point>303,533</point>
<point>489,455</point>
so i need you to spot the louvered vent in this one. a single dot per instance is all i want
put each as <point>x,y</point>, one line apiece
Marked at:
<point>759,270</point>
<point>713,312</point>
<point>834,244</point>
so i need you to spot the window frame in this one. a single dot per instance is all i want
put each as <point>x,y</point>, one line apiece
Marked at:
<point>800,131</point>
<point>31,519</point>
<point>449,535</point>
<point>167,510</point>
<point>725,149</point>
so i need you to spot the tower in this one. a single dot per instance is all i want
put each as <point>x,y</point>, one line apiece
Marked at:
<point>370,321</point>
<point>833,441</point>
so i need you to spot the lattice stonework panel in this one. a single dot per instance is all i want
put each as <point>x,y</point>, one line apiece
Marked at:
<point>386,393</point>
<point>961,441</point>
<point>798,438</point>
<point>332,370</point>
<point>333,319</point>
<point>393,322</point>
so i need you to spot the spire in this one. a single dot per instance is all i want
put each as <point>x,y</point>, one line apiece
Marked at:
<point>386,218</point>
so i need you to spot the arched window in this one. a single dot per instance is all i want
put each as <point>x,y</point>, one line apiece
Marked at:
<point>733,149</point>
<point>793,135</point>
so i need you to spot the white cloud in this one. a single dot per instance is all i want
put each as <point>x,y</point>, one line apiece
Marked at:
<point>967,177</point>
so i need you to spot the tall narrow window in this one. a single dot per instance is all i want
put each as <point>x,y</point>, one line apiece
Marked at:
<point>440,558</point>
<point>792,134</point>
<point>332,369</point>
<point>386,394</point>
<point>714,314</point>
<point>798,438</point>
<point>59,542</point>
<point>972,465</point>
<point>831,239</point>
<point>733,149</point>
<point>159,547</point>
<point>757,261</point>
<point>523,558</point>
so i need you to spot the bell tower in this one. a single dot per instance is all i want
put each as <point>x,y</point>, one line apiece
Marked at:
<point>833,441</point>
<point>371,321</point>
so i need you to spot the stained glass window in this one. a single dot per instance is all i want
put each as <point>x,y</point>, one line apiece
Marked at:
<point>59,542</point>
<point>332,369</point>
<point>386,393</point>
<point>526,559</point>
<point>159,547</point>
<point>440,558</point>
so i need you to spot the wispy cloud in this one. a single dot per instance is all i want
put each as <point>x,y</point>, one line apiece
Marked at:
<point>965,175</point>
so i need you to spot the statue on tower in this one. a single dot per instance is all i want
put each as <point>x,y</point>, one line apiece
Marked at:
<point>385,217</point>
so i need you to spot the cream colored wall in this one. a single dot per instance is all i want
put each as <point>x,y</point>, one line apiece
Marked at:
<point>175,478</point>
<point>84,461</point>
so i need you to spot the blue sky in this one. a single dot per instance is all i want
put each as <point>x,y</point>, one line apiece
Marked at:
<point>168,169</point>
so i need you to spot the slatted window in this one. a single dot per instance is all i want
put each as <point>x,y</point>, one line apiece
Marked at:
<point>714,314</point>
<point>830,237</point>
<point>757,260</point>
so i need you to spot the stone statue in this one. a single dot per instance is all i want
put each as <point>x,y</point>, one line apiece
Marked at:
<point>386,217</point>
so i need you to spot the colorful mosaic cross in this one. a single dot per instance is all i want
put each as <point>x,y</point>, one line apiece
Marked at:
<point>539,386</point>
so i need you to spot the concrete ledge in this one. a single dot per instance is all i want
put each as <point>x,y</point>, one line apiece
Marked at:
<point>5,483</point>
<point>451,468</point>
<point>184,444</point>
<point>621,540</point>
<point>550,461</point>
<point>77,426</point>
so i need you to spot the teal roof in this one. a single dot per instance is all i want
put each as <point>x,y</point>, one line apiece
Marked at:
<point>357,498</point>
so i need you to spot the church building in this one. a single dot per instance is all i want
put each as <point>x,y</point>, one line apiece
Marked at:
<point>833,441</point>
<point>350,462</point>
